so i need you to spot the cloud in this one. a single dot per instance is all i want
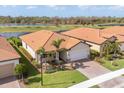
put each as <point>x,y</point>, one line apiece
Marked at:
<point>57,7</point>
<point>31,7</point>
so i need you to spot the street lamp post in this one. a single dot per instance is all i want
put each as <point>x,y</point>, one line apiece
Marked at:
<point>42,56</point>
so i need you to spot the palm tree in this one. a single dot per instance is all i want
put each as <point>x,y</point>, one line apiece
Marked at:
<point>56,43</point>
<point>106,48</point>
<point>41,51</point>
<point>116,47</point>
<point>111,48</point>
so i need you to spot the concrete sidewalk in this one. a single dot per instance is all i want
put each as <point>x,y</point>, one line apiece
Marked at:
<point>116,82</point>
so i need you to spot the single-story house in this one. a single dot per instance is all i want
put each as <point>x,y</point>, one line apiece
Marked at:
<point>8,58</point>
<point>91,36</point>
<point>117,31</point>
<point>72,49</point>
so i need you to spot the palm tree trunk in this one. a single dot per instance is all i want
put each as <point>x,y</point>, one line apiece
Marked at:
<point>57,55</point>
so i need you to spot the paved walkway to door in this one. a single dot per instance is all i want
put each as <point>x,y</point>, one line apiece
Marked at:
<point>92,69</point>
<point>9,82</point>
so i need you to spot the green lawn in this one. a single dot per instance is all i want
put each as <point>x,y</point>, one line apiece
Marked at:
<point>37,28</point>
<point>96,86</point>
<point>108,64</point>
<point>60,79</point>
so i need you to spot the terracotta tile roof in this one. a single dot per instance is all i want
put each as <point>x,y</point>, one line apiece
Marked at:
<point>37,39</point>
<point>120,38</point>
<point>87,34</point>
<point>7,52</point>
<point>117,31</point>
<point>45,38</point>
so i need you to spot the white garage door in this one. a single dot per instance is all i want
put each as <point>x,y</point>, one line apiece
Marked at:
<point>6,70</point>
<point>79,52</point>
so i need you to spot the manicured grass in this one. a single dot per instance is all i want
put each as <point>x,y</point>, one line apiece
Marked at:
<point>96,86</point>
<point>60,79</point>
<point>108,64</point>
<point>37,28</point>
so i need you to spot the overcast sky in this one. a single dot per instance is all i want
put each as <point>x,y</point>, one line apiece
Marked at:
<point>62,11</point>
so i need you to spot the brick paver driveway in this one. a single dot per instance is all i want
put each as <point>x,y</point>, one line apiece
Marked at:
<point>92,69</point>
<point>9,82</point>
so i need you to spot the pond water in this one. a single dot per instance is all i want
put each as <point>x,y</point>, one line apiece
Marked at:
<point>13,34</point>
<point>17,34</point>
<point>14,25</point>
<point>110,24</point>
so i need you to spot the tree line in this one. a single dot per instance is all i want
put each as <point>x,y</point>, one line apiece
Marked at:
<point>60,20</point>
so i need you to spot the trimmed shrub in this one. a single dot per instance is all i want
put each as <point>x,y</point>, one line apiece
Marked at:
<point>100,60</point>
<point>50,69</point>
<point>120,56</point>
<point>61,68</point>
<point>16,41</point>
<point>94,54</point>
<point>115,63</point>
<point>109,57</point>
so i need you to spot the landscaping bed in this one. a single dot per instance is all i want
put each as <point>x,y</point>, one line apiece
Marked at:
<point>112,61</point>
<point>113,65</point>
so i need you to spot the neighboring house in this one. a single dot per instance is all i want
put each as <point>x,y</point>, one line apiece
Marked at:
<point>117,31</point>
<point>8,58</point>
<point>91,36</point>
<point>72,49</point>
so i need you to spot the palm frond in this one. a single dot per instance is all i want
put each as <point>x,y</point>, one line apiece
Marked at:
<point>56,43</point>
<point>41,51</point>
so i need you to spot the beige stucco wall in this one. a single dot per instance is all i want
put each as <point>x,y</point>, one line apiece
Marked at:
<point>94,46</point>
<point>29,49</point>
<point>98,47</point>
